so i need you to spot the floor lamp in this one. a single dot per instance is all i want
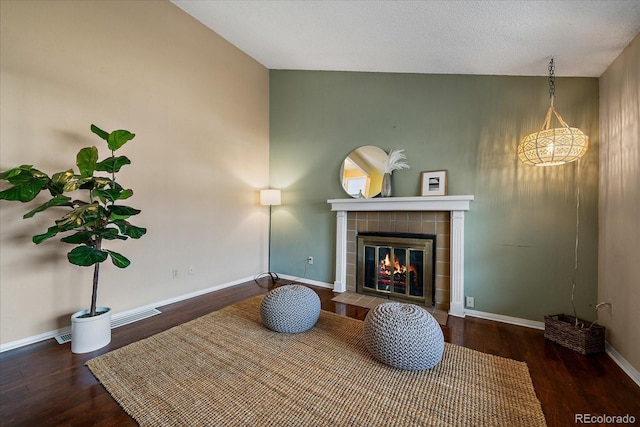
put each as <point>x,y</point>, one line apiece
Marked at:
<point>269,198</point>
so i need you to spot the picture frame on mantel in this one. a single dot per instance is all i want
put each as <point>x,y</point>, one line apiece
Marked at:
<point>433,183</point>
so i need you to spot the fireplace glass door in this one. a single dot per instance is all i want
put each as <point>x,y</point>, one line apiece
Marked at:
<point>396,266</point>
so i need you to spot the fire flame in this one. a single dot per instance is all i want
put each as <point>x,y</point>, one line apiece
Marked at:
<point>385,266</point>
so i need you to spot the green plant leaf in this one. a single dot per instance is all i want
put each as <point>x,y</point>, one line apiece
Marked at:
<point>101,182</point>
<point>27,183</point>
<point>62,177</point>
<point>136,232</point>
<point>130,230</point>
<point>81,216</point>
<point>118,192</point>
<point>74,184</point>
<point>87,183</point>
<point>24,192</point>
<point>104,195</point>
<point>119,260</point>
<point>52,231</point>
<point>113,164</point>
<point>118,138</point>
<point>78,238</point>
<point>122,212</point>
<point>86,256</point>
<point>58,200</point>
<point>86,160</point>
<point>102,134</point>
<point>59,181</point>
<point>23,175</point>
<point>125,194</point>
<point>8,175</point>
<point>111,234</point>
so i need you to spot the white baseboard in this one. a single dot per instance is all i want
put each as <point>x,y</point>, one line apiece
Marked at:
<point>197,293</point>
<point>34,339</point>
<point>51,334</point>
<point>622,362</point>
<point>307,281</point>
<point>505,319</point>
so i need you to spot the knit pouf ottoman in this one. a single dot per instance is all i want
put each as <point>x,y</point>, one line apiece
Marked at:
<point>404,336</point>
<point>290,309</point>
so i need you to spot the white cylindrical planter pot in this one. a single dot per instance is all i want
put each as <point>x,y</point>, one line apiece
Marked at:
<point>90,333</point>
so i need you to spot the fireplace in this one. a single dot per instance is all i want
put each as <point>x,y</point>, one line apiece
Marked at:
<point>399,266</point>
<point>454,207</point>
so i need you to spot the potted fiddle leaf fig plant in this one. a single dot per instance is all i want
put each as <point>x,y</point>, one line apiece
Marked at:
<point>86,222</point>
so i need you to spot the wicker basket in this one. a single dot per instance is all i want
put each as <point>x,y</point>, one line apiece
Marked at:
<point>584,338</point>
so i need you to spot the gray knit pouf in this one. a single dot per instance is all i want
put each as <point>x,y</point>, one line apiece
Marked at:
<point>290,309</point>
<point>404,336</point>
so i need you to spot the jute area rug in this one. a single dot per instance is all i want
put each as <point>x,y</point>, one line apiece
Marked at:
<point>226,369</point>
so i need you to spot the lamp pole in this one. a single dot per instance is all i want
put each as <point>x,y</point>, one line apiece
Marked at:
<point>270,197</point>
<point>269,256</point>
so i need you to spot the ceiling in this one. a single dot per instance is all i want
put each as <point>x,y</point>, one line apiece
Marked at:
<point>433,37</point>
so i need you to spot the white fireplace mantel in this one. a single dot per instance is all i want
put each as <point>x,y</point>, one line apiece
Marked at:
<point>457,205</point>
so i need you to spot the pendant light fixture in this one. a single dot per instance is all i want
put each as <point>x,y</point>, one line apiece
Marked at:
<point>553,146</point>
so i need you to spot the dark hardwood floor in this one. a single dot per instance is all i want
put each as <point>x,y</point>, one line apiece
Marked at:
<point>44,384</point>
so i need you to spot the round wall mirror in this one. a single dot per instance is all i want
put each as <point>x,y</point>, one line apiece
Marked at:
<point>362,171</point>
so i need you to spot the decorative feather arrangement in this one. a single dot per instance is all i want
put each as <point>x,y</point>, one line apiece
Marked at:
<point>395,161</point>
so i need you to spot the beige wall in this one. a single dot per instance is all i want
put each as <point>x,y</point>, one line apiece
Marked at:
<point>199,108</point>
<point>619,266</point>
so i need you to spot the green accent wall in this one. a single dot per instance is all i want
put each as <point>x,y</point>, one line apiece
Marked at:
<point>520,232</point>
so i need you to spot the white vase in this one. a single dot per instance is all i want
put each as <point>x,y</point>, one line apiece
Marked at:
<point>90,333</point>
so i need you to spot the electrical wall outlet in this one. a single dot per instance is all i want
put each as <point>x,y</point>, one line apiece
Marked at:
<point>310,260</point>
<point>470,302</point>
<point>174,273</point>
<point>190,270</point>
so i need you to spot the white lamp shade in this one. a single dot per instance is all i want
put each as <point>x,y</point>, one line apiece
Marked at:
<point>553,146</point>
<point>270,197</point>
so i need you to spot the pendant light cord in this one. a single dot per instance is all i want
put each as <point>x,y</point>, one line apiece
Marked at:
<point>575,265</point>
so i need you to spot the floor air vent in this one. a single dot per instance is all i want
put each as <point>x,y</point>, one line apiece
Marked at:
<point>115,323</point>
<point>133,317</point>
<point>64,338</point>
